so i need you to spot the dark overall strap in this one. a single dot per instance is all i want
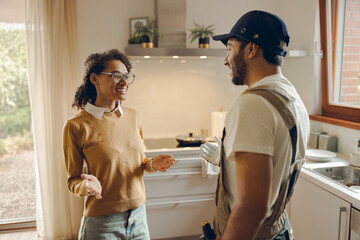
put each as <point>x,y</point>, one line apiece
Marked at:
<point>284,111</point>
<point>273,224</point>
<point>222,212</point>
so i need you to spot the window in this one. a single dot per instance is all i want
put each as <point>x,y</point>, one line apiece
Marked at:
<point>340,41</point>
<point>17,170</point>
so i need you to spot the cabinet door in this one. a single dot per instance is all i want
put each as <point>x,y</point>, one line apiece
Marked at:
<point>317,214</point>
<point>179,216</point>
<point>178,182</point>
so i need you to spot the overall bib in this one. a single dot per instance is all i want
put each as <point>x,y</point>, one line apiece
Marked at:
<point>276,226</point>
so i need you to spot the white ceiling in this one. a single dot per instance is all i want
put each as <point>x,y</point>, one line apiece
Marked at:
<point>12,11</point>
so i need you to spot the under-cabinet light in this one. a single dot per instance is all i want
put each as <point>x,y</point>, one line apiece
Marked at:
<point>175,56</point>
<point>146,56</point>
<point>203,57</point>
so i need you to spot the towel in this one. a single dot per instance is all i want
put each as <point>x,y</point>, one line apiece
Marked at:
<point>209,170</point>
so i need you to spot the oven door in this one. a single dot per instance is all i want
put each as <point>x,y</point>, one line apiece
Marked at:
<point>355,224</point>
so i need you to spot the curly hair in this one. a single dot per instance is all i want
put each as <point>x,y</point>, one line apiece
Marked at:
<point>96,63</point>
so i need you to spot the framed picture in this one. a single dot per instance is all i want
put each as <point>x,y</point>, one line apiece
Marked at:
<point>137,22</point>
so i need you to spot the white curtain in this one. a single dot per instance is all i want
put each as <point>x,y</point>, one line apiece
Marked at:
<point>54,74</point>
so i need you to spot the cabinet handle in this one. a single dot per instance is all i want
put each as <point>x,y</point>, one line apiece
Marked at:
<point>182,159</point>
<point>188,159</point>
<point>171,174</point>
<point>180,201</point>
<point>341,210</point>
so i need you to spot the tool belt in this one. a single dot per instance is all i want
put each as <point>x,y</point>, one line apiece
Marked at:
<point>283,235</point>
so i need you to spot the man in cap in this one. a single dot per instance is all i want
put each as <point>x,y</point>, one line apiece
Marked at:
<point>265,134</point>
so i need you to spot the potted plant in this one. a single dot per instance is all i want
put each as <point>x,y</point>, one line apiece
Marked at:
<point>134,39</point>
<point>203,33</point>
<point>147,34</point>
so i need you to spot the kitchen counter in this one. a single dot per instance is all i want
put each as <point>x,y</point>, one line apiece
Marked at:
<point>316,178</point>
<point>330,185</point>
<point>168,145</point>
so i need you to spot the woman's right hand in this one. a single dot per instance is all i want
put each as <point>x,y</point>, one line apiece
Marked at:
<point>93,185</point>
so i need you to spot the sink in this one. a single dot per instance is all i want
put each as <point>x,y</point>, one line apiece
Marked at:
<point>345,175</point>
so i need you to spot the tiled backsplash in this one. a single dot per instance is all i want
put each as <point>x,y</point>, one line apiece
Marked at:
<point>345,136</point>
<point>177,96</point>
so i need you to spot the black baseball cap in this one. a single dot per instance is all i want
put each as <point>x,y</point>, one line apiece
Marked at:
<point>260,27</point>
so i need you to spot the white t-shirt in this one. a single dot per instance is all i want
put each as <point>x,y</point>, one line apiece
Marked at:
<point>254,125</point>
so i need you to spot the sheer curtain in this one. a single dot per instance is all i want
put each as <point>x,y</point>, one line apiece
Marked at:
<point>54,74</point>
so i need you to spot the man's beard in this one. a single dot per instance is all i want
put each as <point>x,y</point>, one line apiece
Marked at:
<point>239,69</point>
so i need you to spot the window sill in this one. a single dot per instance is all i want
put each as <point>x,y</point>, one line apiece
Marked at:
<point>17,224</point>
<point>335,121</point>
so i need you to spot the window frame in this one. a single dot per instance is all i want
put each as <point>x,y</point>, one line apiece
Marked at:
<point>334,114</point>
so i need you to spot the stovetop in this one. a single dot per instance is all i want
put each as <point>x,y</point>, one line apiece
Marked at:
<point>159,143</point>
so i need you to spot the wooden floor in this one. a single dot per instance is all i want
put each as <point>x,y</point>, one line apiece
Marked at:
<point>20,235</point>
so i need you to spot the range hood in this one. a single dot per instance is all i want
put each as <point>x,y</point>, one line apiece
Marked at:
<point>171,23</point>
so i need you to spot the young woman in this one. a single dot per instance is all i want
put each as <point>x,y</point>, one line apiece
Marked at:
<point>104,152</point>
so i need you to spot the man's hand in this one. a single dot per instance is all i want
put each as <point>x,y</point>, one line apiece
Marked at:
<point>211,151</point>
<point>162,162</point>
<point>93,185</point>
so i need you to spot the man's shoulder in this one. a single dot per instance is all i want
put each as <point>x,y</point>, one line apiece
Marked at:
<point>251,102</point>
<point>252,109</point>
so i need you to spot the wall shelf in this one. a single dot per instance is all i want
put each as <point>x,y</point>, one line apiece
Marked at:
<point>191,52</point>
<point>171,52</point>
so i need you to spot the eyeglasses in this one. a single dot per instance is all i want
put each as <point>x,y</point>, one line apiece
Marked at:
<point>118,77</point>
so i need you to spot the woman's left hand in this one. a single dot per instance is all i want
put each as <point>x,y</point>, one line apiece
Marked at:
<point>162,162</point>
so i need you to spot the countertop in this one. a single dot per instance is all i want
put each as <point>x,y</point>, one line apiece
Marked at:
<point>168,146</point>
<point>323,182</point>
<point>330,185</point>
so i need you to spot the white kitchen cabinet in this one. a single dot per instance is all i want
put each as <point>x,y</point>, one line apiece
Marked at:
<point>316,214</point>
<point>178,182</point>
<point>179,216</point>
<point>178,200</point>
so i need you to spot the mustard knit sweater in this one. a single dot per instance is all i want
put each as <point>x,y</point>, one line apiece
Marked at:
<point>111,149</point>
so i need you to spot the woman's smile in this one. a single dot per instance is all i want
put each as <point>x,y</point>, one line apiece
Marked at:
<point>121,90</point>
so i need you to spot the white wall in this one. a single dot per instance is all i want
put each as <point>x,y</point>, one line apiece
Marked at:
<point>303,25</point>
<point>104,24</point>
<point>174,97</point>
<point>225,13</point>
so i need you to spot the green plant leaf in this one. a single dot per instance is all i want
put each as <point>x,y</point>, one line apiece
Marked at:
<point>201,31</point>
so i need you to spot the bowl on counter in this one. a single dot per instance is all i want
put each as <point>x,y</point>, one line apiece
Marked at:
<point>318,155</point>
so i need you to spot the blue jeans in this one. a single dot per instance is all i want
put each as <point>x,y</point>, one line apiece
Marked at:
<point>131,224</point>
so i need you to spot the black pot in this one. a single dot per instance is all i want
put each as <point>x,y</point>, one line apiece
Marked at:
<point>204,40</point>
<point>146,42</point>
<point>190,140</point>
<point>145,38</point>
